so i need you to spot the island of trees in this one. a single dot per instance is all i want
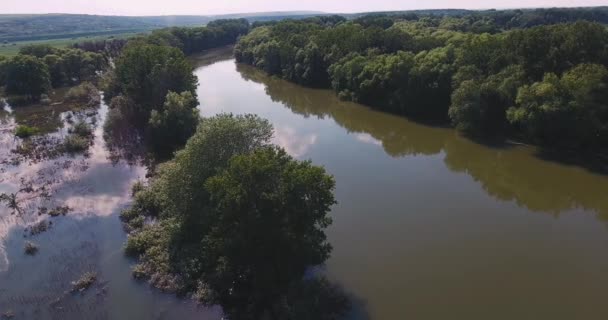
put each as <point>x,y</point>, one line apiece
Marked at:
<point>539,75</point>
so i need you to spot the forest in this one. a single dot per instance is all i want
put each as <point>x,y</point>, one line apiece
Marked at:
<point>538,76</point>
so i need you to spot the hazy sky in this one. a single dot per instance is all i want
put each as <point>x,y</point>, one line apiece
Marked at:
<point>203,7</point>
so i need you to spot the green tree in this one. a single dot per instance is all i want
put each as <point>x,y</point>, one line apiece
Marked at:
<point>3,66</point>
<point>56,69</point>
<point>238,223</point>
<point>146,73</point>
<point>274,210</point>
<point>37,50</point>
<point>479,104</point>
<point>571,111</point>
<point>27,75</point>
<point>172,125</point>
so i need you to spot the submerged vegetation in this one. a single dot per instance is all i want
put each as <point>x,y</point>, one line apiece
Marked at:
<point>84,282</point>
<point>488,73</point>
<point>30,248</point>
<point>85,94</point>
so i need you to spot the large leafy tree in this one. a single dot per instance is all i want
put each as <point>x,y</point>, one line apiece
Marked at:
<point>27,75</point>
<point>146,73</point>
<point>238,221</point>
<point>275,210</point>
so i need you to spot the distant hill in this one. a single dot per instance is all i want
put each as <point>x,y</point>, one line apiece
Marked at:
<point>26,27</point>
<point>29,27</point>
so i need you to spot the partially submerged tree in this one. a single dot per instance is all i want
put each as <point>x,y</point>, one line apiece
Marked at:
<point>237,221</point>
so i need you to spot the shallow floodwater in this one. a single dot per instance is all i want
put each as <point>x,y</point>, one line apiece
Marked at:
<point>89,238</point>
<point>431,225</point>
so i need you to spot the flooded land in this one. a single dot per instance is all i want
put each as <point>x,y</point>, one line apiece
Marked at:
<point>429,225</point>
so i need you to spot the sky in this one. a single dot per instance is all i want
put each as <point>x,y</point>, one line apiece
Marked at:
<point>208,7</point>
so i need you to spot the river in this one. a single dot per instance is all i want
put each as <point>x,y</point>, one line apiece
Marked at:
<point>429,225</point>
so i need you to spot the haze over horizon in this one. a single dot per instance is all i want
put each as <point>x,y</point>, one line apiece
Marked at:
<point>193,7</point>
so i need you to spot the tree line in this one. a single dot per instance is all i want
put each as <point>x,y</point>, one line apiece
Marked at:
<point>545,84</point>
<point>39,68</point>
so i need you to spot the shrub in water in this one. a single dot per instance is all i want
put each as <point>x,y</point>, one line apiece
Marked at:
<point>24,131</point>
<point>74,143</point>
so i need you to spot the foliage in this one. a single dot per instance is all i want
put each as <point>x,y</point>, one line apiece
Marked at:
<point>85,93</point>
<point>27,75</point>
<point>479,104</point>
<point>275,210</point>
<point>545,110</point>
<point>66,66</point>
<point>173,124</point>
<point>146,73</point>
<point>227,177</point>
<point>192,40</point>
<point>455,65</point>
<point>74,143</point>
<point>24,131</point>
<point>81,129</point>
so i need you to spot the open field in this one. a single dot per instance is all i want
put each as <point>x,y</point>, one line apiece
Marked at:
<point>12,48</point>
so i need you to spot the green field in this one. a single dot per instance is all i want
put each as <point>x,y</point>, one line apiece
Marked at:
<point>12,48</point>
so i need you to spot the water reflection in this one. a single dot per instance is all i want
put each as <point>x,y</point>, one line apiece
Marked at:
<point>88,238</point>
<point>509,173</point>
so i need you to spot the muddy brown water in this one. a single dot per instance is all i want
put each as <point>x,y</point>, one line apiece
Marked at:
<point>429,225</point>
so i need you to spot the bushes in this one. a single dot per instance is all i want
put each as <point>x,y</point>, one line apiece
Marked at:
<point>236,222</point>
<point>75,144</point>
<point>85,94</point>
<point>81,129</point>
<point>24,131</point>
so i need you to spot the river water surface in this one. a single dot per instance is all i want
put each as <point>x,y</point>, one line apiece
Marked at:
<point>429,225</point>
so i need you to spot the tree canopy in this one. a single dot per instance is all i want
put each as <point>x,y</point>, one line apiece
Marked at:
<point>27,75</point>
<point>238,221</point>
<point>459,67</point>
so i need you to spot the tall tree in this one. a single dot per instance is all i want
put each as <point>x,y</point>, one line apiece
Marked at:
<point>27,75</point>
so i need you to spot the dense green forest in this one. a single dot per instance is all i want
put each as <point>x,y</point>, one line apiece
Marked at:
<point>538,75</point>
<point>37,69</point>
